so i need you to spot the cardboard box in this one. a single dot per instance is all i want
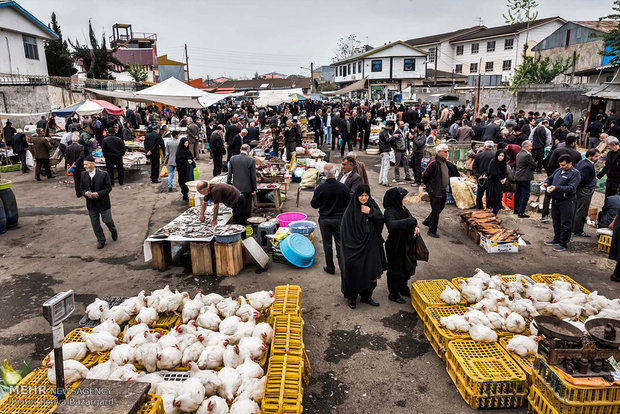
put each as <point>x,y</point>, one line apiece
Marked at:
<point>498,247</point>
<point>593,214</point>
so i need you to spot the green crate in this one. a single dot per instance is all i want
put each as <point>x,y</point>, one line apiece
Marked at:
<point>10,168</point>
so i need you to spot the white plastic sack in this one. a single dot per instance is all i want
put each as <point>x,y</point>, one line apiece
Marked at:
<point>461,192</point>
<point>29,159</point>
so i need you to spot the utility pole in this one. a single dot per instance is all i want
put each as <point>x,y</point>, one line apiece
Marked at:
<point>478,90</point>
<point>572,75</point>
<point>311,77</point>
<point>436,59</point>
<point>186,64</point>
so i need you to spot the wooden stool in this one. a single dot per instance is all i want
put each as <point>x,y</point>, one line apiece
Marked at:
<point>162,254</point>
<point>228,258</point>
<point>202,264</point>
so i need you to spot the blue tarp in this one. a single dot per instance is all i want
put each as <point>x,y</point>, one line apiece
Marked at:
<point>69,110</point>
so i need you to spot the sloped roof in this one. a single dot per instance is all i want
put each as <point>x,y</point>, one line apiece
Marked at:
<point>608,90</point>
<point>605,26</point>
<point>136,56</point>
<point>271,84</point>
<point>29,16</point>
<point>442,36</point>
<point>379,49</point>
<point>164,61</point>
<point>504,30</point>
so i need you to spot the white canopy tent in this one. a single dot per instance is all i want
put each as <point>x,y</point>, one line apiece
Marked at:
<point>276,97</point>
<point>359,85</point>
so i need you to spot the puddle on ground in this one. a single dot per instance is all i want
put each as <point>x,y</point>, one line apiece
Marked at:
<point>411,343</point>
<point>344,344</point>
<point>42,345</point>
<point>51,211</point>
<point>23,295</point>
<point>333,393</point>
<point>403,322</point>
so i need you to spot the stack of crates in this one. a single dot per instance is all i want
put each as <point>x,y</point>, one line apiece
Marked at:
<point>288,340</point>
<point>283,390</point>
<point>440,336</point>
<point>90,360</point>
<point>153,405</point>
<point>425,293</point>
<point>550,393</point>
<point>287,301</point>
<point>604,243</point>
<point>485,375</point>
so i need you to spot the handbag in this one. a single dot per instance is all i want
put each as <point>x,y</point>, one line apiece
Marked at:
<point>418,250</point>
<point>164,172</point>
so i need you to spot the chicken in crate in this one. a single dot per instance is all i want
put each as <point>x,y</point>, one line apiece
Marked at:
<point>213,360</point>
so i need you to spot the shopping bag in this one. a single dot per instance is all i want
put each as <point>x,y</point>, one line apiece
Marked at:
<point>29,159</point>
<point>164,172</point>
<point>418,250</point>
<point>196,173</point>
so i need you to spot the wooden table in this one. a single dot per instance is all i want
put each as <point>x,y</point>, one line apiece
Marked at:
<point>277,197</point>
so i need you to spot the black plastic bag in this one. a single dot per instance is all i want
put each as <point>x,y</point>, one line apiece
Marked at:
<point>418,250</point>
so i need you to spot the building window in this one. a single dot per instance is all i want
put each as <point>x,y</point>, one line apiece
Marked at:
<point>474,48</point>
<point>473,68</point>
<point>431,55</point>
<point>459,50</point>
<point>458,69</point>
<point>30,47</point>
<point>488,67</point>
<point>349,69</point>
<point>507,65</point>
<point>376,65</point>
<point>359,66</point>
<point>508,44</point>
<point>354,68</point>
<point>491,46</point>
<point>409,64</point>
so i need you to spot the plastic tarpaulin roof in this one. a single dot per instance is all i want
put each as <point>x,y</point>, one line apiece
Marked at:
<point>608,90</point>
<point>276,97</point>
<point>355,86</point>
<point>89,107</point>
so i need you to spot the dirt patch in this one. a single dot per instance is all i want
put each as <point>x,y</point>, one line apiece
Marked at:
<point>333,393</point>
<point>118,259</point>
<point>411,343</point>
<point>401,403</point>
<point>23,295</point>
<point>42,344</point>
<point>344,344</point>
<point>51,211</point>
<point>403,322</point>
<point>409,348</point>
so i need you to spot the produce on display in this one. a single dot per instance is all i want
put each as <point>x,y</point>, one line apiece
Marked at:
<point>487,223</point>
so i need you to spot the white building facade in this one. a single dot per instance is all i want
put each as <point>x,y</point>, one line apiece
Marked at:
<point>22,39</point>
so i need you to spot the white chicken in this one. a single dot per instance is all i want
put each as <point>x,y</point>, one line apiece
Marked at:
<point>208,378</point>
<point>481,333</point>
<point>208,319</point>
<point>228,307</point>
<point>168,403</point>
<point>211,357</point>
<point>245,311</point>
<point>514,288</point>
<point>166,388</point>
<point>192,353</point>
<point>146,355</point>
<point>130,332</point>
<point>144,338</point>
<point>191,309</point>
<point>96,309</point>
<point>495,283</point>
<point>244,329</point>
<point>107,326</point>
<point>100,341</point>
<point>566,310</point>
<point>123,354</point>
<point>472,289</point>
<point>264,331</point>
<point>523,345</point>
<point>125,373</point>
<point>167,340</point>
<point>538,291</point>
<point>255,346</point>
<point>496,295</point>
<point>523,307</point>
<point>231,381</point>
<point>74,371</point>
<point>261,300</point>
<point>213,405</point>
<point>169,357</point>
<point>147,315</point>
<point>455,323</point>
<point>476,317</point>
<point>515,323</point>
<point>496,320</point>
<point>481,274</point>
<point>245,407</point>
<point>152,378</point>
<point>71,350</point>
<point>251,389</point>
<point>134,304</point>
<point>102,371</point>
<point>212,299</point>
<point>450,296</point>
<point>217,338</point>
<point>191,396</point>
<point>233,356</point>
<point>250,369</point>
<point>117,313</point>
<point>230,325</point>
<point>485,305</point>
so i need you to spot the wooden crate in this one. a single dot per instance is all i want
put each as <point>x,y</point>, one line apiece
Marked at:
<point>162,254</point>
<point>202,263</point>
<point>228,258</point>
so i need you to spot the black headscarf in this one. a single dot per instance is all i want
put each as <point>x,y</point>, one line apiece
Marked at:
<point>393,200</point>
<point>497,169</point>
<point>183,153</point>
<point>355,225</point>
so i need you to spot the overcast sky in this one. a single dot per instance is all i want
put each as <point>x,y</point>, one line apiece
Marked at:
<point>241,37</point>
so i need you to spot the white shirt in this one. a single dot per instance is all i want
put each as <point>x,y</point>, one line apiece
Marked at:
<point>92,173</point>
<point>344,177</point>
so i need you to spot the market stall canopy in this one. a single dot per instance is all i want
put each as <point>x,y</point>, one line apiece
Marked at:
<point>608,90</point>
<point>359,85</point>
<point>89,107</point>
<point>275,97</point>
<point>299,97</point>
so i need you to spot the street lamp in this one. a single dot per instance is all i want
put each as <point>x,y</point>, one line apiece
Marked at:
<point>311,69</point>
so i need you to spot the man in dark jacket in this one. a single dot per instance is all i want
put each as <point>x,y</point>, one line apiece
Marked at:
<point>234,146</point>
<point>365,126</point>
<point>400,152</point>
<point>216,143</point>
<point>541,138</point>
<point>75,159</point>
<point>594,131</point>
<point>242,174</point>
<point>478,129</point>
<point>492,131</point>
<point>348,133</point>
<point>291,139</point>
<point>567,149</point>
<point>561,133</point>
<point>8,132</point>
<point>336,124</point>
<point>153,142</point>
<point>385,146</point>
<point>419,143</point>
<point>95,186</point>
<point>585,189</point>
<point>231,131</point>
<point>20,146</point>
<point>562,185</point>
<point>612,167</point>
<point>42,147</point>
<point>317,127</point>
<point>609,211</point>
<point>524,174</point>
<point>331,198</point>
<point>348,176</point>
<point>253,134</point>
<point>436,177</point>
<point>114,149</point>
<point>479,170</point>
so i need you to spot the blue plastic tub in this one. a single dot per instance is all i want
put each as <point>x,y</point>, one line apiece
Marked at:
<point>302,226</point>
<point>298,250</point>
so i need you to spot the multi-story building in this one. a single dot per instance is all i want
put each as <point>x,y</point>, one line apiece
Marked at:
<point>324,73</point>
<point>394,66</point>
<point>22,39</point>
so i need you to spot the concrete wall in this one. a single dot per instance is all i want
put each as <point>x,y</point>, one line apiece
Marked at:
<point>588,54</point>
<point>551,97</point>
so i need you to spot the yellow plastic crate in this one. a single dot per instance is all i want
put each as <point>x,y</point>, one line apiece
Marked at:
<point>437,335</point>
<point>486,368</point>
<point>90,360</point>
<point>425,293</point>
<point>573,394</point>
<point>153,405</point>
<point>33,395</point>
<point>288,336</point>
<point>287,301</point>
<point>537,404</point>
<point>550,278</point>
<point>510,278</point>
<point>455,281</point>
<point>164,321</point>
<point>283,390</point>
<point>525,363</point>
<point>604,243</point>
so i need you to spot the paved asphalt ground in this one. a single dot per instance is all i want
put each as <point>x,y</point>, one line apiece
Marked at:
<point>368,360</point>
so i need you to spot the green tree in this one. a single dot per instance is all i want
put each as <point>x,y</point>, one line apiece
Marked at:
<point>612,39</point>
<point>96,58</point>
<point>538,70</point>
<point>137,73</point>
<point>347,47</point>
<point>521,11</point>
<point>57,54</point>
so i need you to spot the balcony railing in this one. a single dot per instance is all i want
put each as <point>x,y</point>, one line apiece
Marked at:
<point>71,83</point>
